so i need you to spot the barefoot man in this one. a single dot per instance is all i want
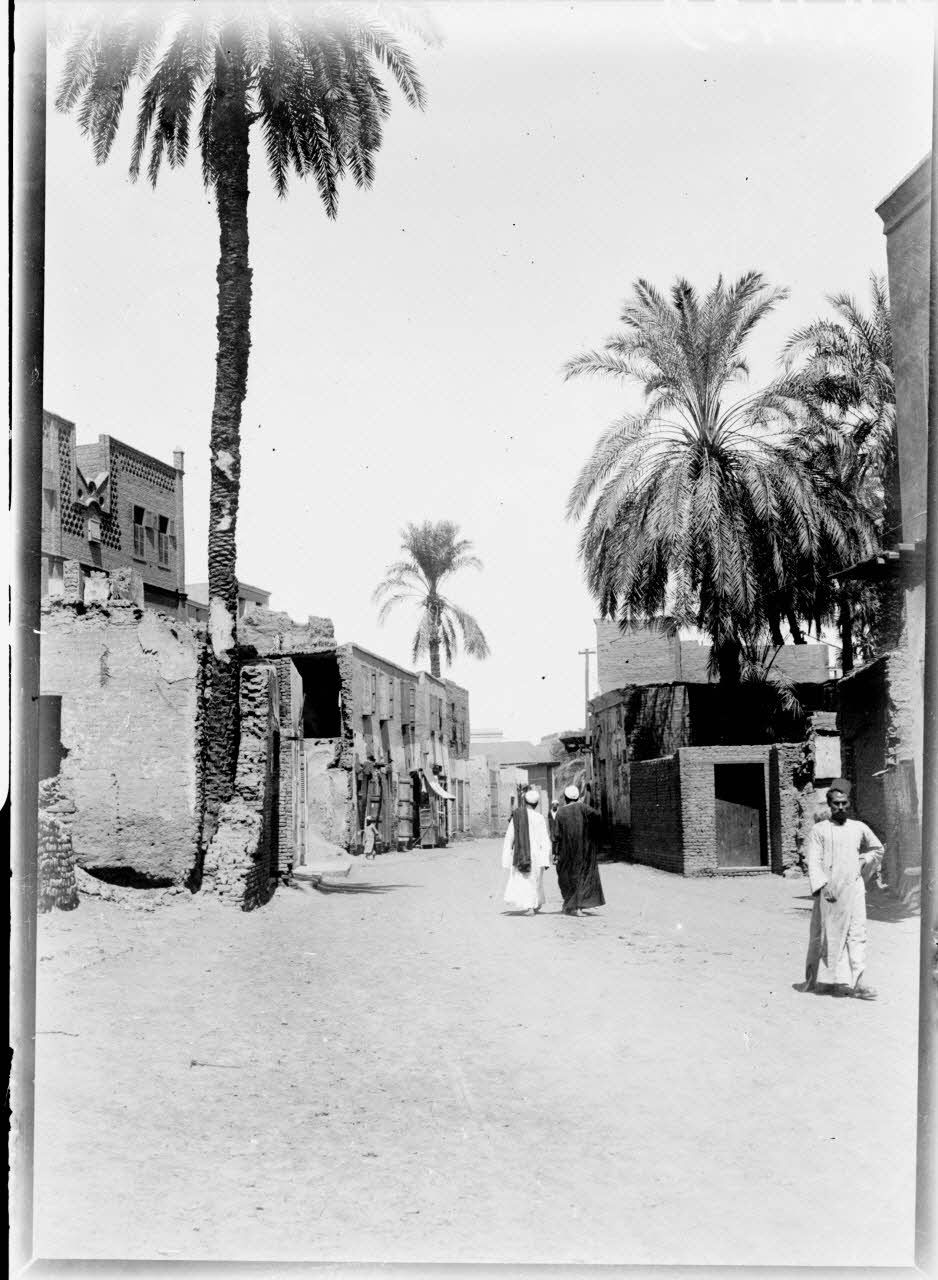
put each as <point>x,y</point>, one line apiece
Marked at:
<point>838,850</point>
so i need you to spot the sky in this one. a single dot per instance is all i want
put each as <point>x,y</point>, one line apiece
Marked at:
<point>407,359</point>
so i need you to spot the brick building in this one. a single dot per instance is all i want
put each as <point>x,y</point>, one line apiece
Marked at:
<point>882,702</point>
<point>646,656</point>
<point>642,723</point>
<point>108,506</point>
<point>411,744</point>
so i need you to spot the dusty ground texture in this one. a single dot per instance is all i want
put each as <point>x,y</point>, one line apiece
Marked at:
<point>398,1071</point>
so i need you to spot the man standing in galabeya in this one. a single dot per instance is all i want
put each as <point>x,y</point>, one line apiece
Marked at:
<point>575,853</point>
<point>838,850</point>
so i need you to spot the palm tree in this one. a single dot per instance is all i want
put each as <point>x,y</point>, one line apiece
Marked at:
<point>697,505</point>
<point>840,372</point>
<point>433,552</point>
<point>308,82</point>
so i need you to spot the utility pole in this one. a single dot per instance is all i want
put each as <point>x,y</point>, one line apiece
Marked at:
<point>585,654</point>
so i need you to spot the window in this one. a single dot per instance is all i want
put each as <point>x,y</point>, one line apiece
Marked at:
<point>162,542</point>
<point>140,540</point>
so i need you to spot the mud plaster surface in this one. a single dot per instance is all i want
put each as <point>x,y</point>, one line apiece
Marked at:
<point>404,1073</point>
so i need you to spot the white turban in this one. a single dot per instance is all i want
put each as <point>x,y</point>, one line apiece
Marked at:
<point>532,795</point>
<point>572,792</point>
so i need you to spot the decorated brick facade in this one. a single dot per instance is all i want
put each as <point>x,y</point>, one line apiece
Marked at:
<point>109,506</point>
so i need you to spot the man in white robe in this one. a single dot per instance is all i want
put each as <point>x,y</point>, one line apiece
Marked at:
<point>838,850</point>
<point>525,854</point>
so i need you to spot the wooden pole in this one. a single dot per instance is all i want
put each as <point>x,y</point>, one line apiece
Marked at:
<point>28,295</point>
<point>926,1253</point>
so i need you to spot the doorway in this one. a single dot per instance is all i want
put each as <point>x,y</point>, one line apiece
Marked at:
<point>740,829</point>
<point>322,687</point>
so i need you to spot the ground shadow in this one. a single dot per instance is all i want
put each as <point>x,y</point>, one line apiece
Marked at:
<point>322,886</point>
<point>880,905</point>
<point>887,908</point>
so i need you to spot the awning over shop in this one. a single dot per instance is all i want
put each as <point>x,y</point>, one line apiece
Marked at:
<point>436,788</point>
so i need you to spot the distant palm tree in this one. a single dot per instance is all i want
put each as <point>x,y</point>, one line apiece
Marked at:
<point>696,506</point>
<point>433,552</point>
<point>307,79</point>
<point>840,371</point>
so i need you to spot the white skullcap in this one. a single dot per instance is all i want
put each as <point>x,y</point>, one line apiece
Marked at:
<point>532,795</point>
<point>572,792</point>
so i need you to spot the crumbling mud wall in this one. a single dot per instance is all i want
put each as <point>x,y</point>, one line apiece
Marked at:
<point>241,862</point>
<point>127,682</point>
<point>294,650</point>
<point>57,887</point>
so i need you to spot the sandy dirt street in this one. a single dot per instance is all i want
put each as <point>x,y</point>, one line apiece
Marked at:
<point>398,1071</point>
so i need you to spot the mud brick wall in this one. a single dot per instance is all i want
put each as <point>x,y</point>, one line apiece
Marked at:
<point>57,887</point>
<point>241,861</point>
<point>656,830</point>
<point>789,806</point>
<point>290,691</point>
<point>127,679</point>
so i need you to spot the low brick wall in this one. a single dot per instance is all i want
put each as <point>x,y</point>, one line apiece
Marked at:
<point>698,802</point>
<point>241,861</point>
<point>656,837</point>
<point>57,887</point>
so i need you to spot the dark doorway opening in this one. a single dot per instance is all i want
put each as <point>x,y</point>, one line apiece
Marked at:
<point>322,687</point>
<point>740,825</point>
<point>51,751</point>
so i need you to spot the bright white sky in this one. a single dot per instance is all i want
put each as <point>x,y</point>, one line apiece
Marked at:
<point>406,359</point>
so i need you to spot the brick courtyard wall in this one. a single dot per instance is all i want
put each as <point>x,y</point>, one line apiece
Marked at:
<point>656,834</point>
<point>127,679</point>
<point>241,861</point>
<point>698,804</point>
<point>56,870</point>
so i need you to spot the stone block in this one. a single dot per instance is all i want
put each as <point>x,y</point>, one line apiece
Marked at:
<point>97,589</point>
<point>73,582</point>
<point>127,584</point>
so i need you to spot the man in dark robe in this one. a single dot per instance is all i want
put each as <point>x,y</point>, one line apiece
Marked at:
<point>575,853</point>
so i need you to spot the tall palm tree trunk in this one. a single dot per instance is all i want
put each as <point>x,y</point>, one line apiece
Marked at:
<point>433,643</point>
<point>219,712</point>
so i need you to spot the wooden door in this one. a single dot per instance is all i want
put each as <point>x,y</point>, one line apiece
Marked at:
<point>739,818</point>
